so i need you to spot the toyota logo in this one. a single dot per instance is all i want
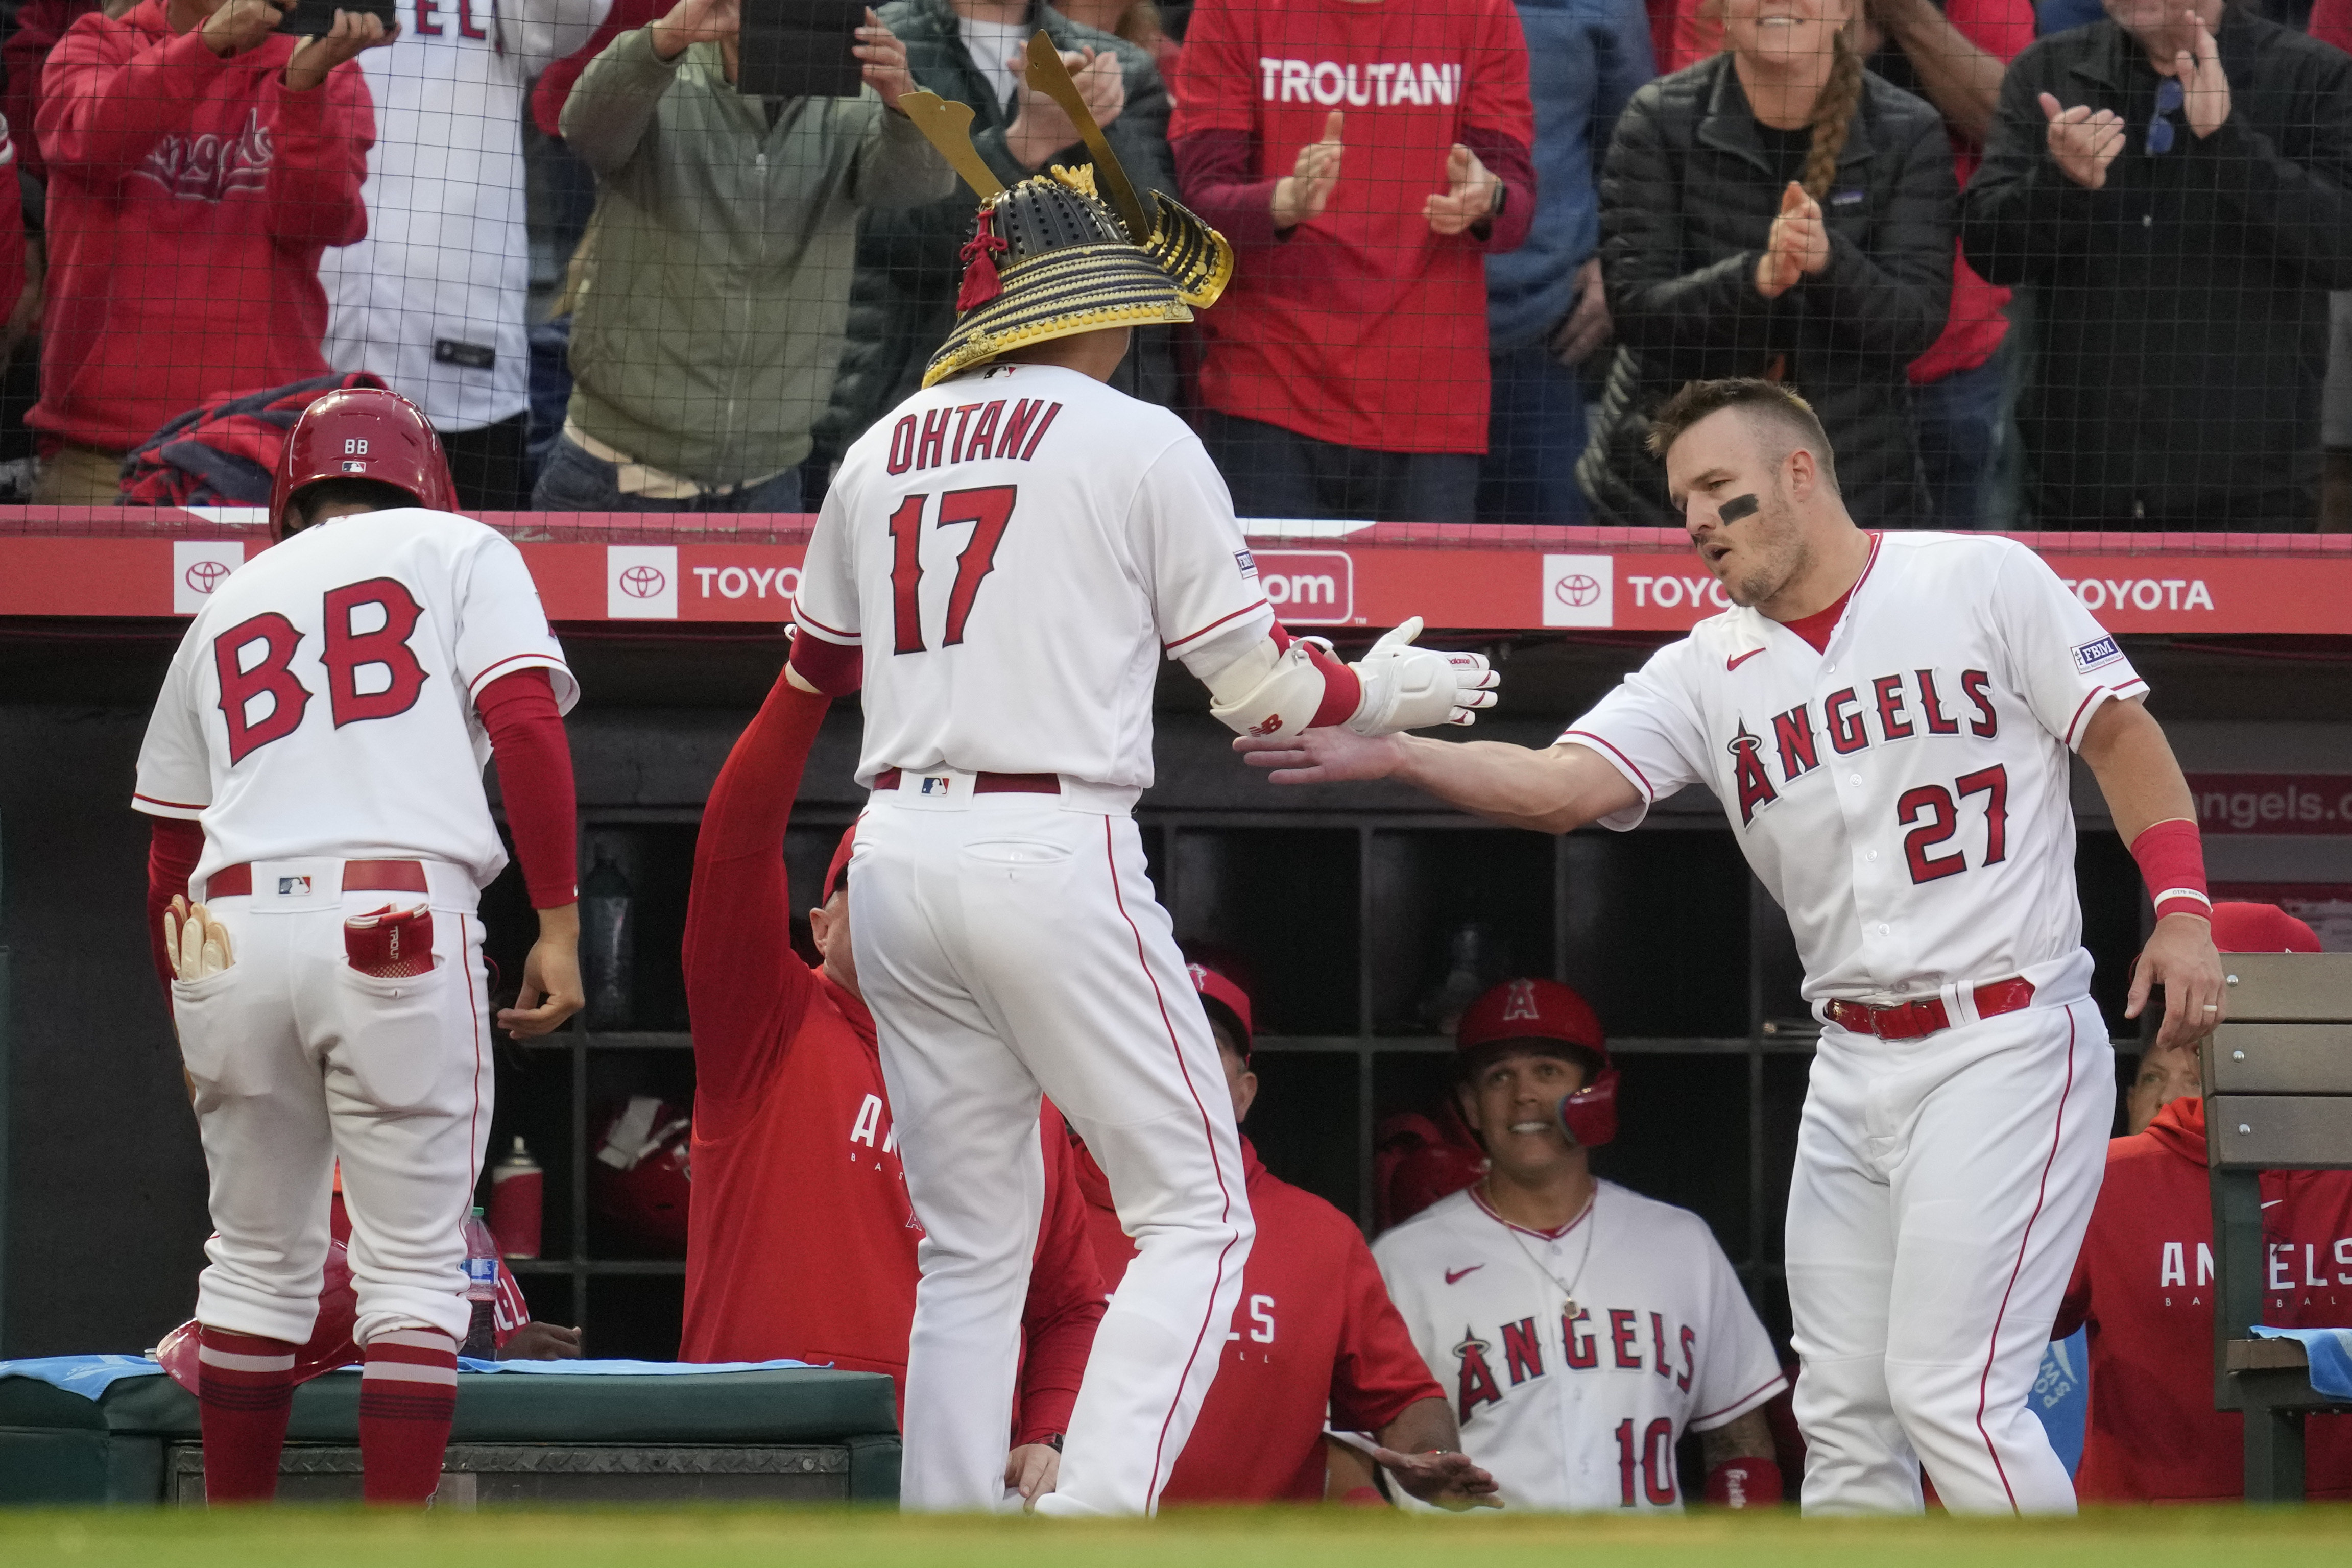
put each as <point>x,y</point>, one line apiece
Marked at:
<point>204,575</point>
<point>642,582</point>
<point>1577,589</point>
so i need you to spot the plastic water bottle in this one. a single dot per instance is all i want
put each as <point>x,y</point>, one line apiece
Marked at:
<point>608,943</point>
<point>481,1290</point>
<point>518,1188</point>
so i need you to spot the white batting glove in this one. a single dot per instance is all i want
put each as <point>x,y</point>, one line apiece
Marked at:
<point>198,944</point>
<point>1407,687</point>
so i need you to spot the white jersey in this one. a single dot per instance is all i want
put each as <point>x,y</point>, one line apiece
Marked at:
<point>1012,549</point>
<point>434,298</point>
<point>322,703</point>
<point>1904,795</point>
<point>1575,1361</point>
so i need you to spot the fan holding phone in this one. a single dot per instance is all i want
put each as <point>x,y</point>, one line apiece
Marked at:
<point>330,34</point>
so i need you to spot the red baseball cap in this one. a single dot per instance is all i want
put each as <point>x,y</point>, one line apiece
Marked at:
<point>1532,1010</point>
<point>2260,928</point>
<point>840,866</point>
<point>1216,988</point>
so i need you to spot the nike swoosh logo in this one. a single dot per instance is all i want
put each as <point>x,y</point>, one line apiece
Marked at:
<point>1737,660</point>
<point>1453,1276</point>
<point>2273,1203</point>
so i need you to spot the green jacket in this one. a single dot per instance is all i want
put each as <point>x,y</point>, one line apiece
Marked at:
<point>908,269</point>
<point>706,339</point>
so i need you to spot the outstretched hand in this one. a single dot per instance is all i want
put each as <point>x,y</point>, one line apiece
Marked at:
<point>1446,1478</point>
<point>2180,957</point>
<point>1330,755</point>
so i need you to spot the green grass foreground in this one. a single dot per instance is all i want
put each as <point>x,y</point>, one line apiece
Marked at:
<point>721,1537</point>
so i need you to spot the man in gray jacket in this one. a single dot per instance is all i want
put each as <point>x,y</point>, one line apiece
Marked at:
<point>716,287</point>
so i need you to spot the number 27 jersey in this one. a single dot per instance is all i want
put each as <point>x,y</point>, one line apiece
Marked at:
<point>1904,795</point>
<point>1012,550</point>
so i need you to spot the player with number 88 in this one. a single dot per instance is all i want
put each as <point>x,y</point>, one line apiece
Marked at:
<point>1888,720</point>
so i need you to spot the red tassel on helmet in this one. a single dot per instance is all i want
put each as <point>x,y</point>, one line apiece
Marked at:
<point>980,280</point>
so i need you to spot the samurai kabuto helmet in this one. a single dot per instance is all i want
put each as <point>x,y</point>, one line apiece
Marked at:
<point>1051,256</point>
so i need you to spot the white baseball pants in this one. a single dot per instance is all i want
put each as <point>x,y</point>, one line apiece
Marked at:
<point>298,1059</point>
<point>1941,1192</point>
<point>1009,944</point>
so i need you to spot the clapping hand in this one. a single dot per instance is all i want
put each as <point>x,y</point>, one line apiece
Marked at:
<point>2205,90</point>
<point>1040,129</point>
<point>2082,144</point>
<point>1302,194</point>
<point>1469,195</point>
<point>1798,244</point>
<point>353,32</point>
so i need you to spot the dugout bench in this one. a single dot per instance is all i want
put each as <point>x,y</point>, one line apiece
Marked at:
<point>2278,1096</point>
<point>798,1433</point>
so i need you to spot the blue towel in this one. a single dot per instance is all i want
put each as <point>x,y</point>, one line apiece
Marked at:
<point>2062,1395</point>
<point>2331,1357</point>
<point>92,1376</point>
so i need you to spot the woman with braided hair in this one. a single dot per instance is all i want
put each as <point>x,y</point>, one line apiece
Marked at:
<point>1775,211</point>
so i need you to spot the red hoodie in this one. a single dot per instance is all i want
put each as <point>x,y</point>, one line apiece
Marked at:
<point>2144,1283</point>
<point>190,197</point>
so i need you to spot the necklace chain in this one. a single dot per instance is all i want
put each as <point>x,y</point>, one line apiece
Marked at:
<point>1566,1287</point>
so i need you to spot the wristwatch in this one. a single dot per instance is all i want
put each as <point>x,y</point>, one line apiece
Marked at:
<point>1502,195</point>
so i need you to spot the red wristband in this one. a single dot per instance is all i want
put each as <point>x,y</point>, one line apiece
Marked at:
<point>2171,857</point>
<point>1744,1483</point>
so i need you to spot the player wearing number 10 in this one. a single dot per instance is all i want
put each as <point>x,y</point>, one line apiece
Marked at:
<point>1887,720</point>
<point>1001,562</point>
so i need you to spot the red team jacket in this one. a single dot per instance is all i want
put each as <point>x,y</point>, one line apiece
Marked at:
<point>801,1242</point>
<point>189,199</point>
<point>1314,1338</point>
<point>2144,1283</point>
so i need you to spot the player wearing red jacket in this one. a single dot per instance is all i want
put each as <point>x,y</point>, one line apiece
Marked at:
<point>801,1240</point>
<point>198,164</point>
<point>2144,1284</point>
<point>1314,1339</point>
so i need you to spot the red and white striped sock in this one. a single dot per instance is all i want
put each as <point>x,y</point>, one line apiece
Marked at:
<point>245,1388</point>
<point>408,1391</point>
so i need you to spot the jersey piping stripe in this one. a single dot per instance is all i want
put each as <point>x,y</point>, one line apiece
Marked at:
<point>1220,621</point>
<point>1992,1349</point>
<point>540,661</point>
<point>2096,693</point>
<point>1746,1402</point>
<point>1624,762</point>
<point>168,805</point>
<point>1224,1192</point>
<point>809,623</point>
<point>475,999</point>
<point>1480,1200</point>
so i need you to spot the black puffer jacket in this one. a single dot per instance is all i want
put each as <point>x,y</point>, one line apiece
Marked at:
<point>902,302</point>
<point>1687,198</point>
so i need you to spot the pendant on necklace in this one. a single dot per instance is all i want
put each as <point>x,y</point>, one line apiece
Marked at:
<point>1568,1309</point>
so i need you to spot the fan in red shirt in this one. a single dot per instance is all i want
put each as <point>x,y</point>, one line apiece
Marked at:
<point>1345,372</point>
<point>800,1240</point>
<point>2144,1284</point>
<point>1315,1340</point>
<point>198,163</point>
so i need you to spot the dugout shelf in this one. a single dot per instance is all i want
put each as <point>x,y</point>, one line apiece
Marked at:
<point>805,1433</point>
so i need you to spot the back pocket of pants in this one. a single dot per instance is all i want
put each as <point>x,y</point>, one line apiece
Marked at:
<point>394,1030</point>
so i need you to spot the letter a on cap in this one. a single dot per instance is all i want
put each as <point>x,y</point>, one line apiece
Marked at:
<point>1521,1004</point>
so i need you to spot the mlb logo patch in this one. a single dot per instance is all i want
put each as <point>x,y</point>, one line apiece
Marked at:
<point>354,465</point>
<point>2089,656</point>
<point>293,887</point>
<point>937,785</point>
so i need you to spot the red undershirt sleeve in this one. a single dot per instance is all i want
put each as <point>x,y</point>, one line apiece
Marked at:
<point>746,989</point>
<point>535,782</point>
<point>1213,170</point>
<point>174,846</point>
<point>1506,159</point>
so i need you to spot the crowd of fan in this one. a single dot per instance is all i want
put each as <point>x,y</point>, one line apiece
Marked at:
<point>2064,269</point>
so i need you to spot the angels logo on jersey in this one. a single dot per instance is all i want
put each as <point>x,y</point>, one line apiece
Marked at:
<point>1879,712</point>
<point>1669,1350</point>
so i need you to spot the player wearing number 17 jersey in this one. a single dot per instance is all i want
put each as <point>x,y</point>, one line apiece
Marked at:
<point>1003,560</point>
<point>1888,721</point>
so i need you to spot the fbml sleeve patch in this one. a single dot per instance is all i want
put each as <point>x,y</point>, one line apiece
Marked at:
<point>2090,655</point>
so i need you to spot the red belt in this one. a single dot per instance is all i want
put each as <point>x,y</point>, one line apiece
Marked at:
<point>990,783</point>
<point>359,877</point>
<point>1914,1021</point>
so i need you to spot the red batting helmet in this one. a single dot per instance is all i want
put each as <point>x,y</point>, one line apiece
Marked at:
<point>1544,1013</point>
<point>640,1181</point>
<point>362,433</point>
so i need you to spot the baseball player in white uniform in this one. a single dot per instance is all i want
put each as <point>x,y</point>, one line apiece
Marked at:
<point>314,766</point>
<point>434,298</point>
<point>1888,720</point>
<point>1580,1327</point>
<point>1003,559</point>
